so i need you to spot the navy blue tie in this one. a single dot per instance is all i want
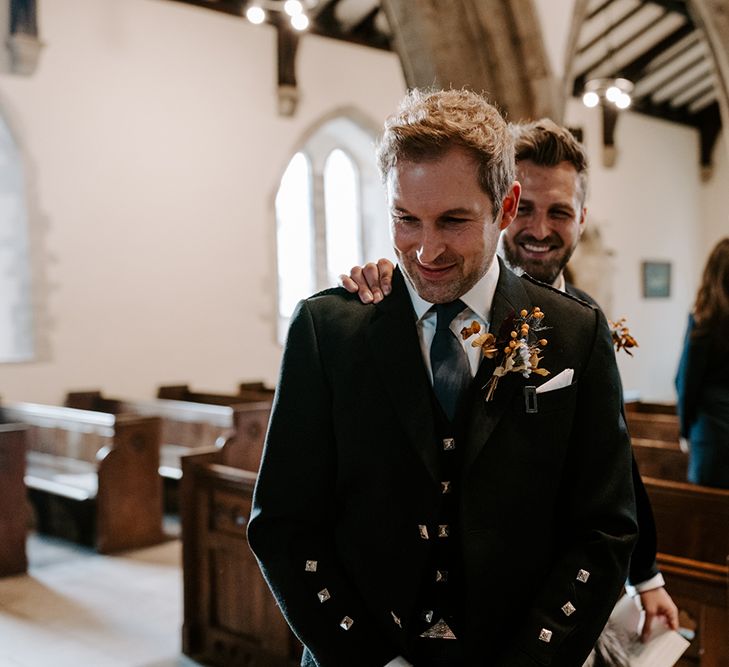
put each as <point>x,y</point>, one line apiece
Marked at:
<point>448,360</point>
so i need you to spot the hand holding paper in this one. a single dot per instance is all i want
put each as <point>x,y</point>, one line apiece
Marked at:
<point>664,647</point>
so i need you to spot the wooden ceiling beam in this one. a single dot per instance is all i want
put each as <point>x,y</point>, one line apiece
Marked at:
<point>603,36</point>
<point>636,68</point>
<point>494,46</point>
<point>712,17</point>
<point>674,6</point>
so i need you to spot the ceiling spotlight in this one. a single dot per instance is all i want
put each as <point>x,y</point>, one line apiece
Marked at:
<point>590,99</point>
<point>612,94</point>
<point>255,14</point>
<point>623,102</point>
<point>300,21</point>
<point>293,7</point>
<point>608,91</point>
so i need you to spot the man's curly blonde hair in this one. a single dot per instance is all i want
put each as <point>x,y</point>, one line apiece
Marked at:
<point>429,123</point>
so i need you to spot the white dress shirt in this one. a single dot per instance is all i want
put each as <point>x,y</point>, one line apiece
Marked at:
<point>478,302</point>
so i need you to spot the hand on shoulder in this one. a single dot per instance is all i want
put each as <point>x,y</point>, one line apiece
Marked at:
<point>372,282</point>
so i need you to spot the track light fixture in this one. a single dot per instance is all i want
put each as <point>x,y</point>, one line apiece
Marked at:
<point>257,11</point>
<point>613,91</point>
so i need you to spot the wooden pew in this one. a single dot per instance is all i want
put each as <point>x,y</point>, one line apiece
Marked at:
<point>654,432</point>
<point>700,590</point>
<point>654,421</point>
<point>14,515</point>
<point>654,426</point>
<point>650,408</point>
<point>92,477</point>
<point>692,523</point>
<point>247,392</point>
<point>259,387</point>
<point>252,409</point>
<point>230,616</point>
<point>187,426</point>
<point>661,459</point>
<point>184,426</point>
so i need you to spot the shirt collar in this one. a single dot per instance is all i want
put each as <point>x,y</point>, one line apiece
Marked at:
<point>478,298</point>
<point>559,282</point>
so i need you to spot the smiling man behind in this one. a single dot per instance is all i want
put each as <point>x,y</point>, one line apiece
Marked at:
<point>435,528</point>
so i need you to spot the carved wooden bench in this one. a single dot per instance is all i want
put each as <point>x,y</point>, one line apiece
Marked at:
<point>692,523</point>
<point>252,409</point>
<point>187,426</point>
<point>14,514</point>
<point>230,616</point>
<point>92,477</point>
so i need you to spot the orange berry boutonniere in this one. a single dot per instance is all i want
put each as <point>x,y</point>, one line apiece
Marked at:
<point>518,348</point>
<point>622,340</point>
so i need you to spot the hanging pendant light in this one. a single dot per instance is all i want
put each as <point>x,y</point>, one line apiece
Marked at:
<point>608,90</point>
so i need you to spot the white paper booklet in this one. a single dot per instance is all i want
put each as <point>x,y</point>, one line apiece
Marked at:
<point>664,647</point>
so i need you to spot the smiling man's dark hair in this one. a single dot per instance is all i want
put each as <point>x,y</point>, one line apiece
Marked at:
<point>547,144</point>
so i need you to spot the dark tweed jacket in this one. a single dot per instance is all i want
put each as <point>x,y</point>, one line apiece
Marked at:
<point>350,471</point>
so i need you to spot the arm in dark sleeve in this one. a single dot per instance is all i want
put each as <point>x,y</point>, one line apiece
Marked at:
<point>691,369</point>
<point>599,524</point>
<point>292,524</point>
<point>643,564</point>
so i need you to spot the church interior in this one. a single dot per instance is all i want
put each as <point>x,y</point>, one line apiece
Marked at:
<point>171,174</point>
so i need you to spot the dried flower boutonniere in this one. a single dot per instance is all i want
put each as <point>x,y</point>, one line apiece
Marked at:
<point>622,340</point>
<point>517,349</point>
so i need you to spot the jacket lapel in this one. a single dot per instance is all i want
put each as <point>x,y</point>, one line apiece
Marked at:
<point>483,417</point>
<point>395,347</point>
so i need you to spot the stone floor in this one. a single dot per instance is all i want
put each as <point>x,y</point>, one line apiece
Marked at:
<point>77,608</point>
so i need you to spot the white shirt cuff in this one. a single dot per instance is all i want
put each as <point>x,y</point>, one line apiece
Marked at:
<point>398,662</point>
<point>656,581</point>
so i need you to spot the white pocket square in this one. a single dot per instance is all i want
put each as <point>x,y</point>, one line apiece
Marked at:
<point>560,380</point>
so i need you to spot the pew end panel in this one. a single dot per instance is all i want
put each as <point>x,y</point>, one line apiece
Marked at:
<point>14,509</point>
<point>250,420</point>
<point>230,616</point>
<point>92,477</point>
<point>92,400</point>
<point>251,423</point>
<point>129,501</point>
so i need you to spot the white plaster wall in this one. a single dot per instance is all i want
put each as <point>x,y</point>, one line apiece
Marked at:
<point>153,151</point>
<point>648,207</point>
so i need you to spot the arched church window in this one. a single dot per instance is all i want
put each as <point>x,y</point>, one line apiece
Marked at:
<point>342,214</point>
<point>294,236</point>
<point>330,212</point>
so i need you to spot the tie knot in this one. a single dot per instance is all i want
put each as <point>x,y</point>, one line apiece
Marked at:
<point>445,313</point>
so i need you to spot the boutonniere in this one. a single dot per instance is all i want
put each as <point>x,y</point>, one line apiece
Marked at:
<point>517,348</point>
<point>622,340</point>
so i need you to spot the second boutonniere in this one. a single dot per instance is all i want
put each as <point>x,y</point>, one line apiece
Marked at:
<point>622,339</point>
<point>517,349</point>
